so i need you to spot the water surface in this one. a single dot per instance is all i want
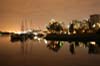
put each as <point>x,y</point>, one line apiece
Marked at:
<point>47,53</point>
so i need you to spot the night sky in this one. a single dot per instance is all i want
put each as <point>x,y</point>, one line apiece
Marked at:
<point>13,12</point>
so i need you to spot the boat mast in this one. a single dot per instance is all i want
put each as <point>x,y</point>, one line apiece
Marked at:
<point>25,27</point>
<point>31,24</point>
<point>22,26</point>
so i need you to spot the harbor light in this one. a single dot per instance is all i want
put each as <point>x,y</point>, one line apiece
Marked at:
<point>68,26</point>
<point>74,32</point>
<point>21,32</point>
<point>94,26</point>
<point>93,42</point>
<point>45,41</point>
<point>35,33</point>
<point>35,37</point>
<point>18,32</point>
<point>98,25</point>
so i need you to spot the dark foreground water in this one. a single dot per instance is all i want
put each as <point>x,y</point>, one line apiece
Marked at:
<point>48,53</point>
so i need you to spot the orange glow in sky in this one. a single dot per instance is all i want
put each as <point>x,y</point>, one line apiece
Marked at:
<point>13,12</point>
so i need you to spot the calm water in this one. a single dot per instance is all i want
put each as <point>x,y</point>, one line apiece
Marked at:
<point>47,53</point>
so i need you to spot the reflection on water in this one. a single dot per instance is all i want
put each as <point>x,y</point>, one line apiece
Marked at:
<point>93,46</point>
<point>55,45</point>
<point>40,52</point>
<point>72,48</point>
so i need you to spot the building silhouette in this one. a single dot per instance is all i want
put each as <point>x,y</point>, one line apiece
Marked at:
<point>95,18</point>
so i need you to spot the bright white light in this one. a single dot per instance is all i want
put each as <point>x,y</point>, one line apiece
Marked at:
<point>93,42</point>
<point>45,41</point>
<point>18,32</point>
<point>35,37</point>
<point>69,33</point>
<point>98,25</point>
<point>52,20</point>
<point>74,32</point>
<point>94,26</point>
<point>39,39</point>
<point>68,26</point>
<point>21,32</point>
<point>35,33</point>
<point>65,32</point>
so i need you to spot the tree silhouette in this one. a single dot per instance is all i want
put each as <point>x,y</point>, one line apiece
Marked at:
<point>54,27</point>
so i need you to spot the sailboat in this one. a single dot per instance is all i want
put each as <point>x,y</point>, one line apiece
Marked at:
<point>22,36</point>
